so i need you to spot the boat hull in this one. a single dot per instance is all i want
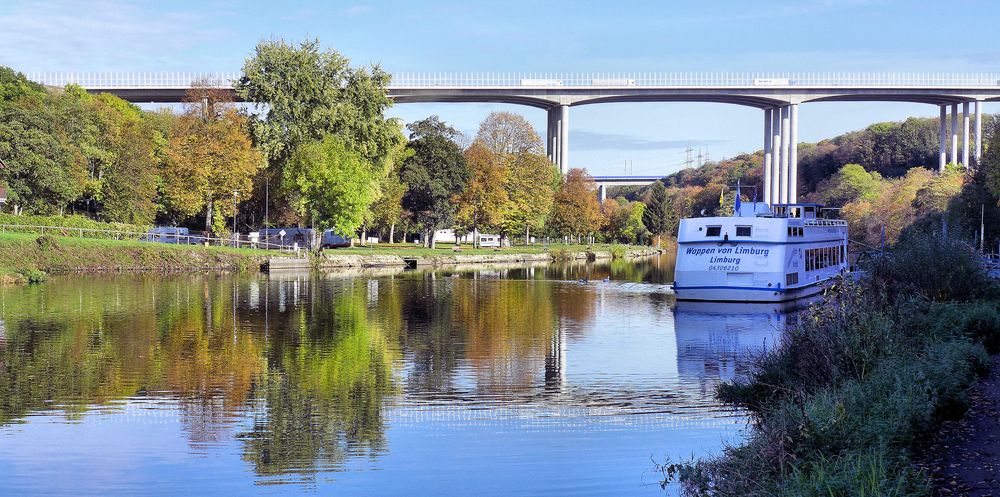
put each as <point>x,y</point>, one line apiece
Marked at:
<point>746,294</point>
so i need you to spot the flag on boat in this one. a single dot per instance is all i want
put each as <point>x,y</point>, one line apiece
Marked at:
<point>738,202</point>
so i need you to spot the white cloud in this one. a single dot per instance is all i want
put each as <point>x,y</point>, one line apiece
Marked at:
<point>101,34</point>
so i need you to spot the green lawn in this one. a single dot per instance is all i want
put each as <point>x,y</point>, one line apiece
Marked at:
<point>22,251</point>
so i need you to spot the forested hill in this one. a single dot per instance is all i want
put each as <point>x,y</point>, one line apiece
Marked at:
<point>882,175</point>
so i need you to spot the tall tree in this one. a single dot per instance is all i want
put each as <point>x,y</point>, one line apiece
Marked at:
<point>657,213</point>
<point>509,134</point>
<point>211,160</point>
<point>575,210</point>
<point>530,179</point>
<point>483,203</point>
<point>44,171</point>
<point>434,173</point>
<point>303,93</point>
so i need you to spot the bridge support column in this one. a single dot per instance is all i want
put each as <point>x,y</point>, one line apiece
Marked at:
<point>602,193</point>
<point>563,139</point>
<point>954,134</point>
<point>768,138</point>
<point>552,135</point>
<point>793,153</point>
<point>942,137</point>
<point>979,134</point>
<point>783,183</point>
<point>965,135</point>
<point>775,154</point>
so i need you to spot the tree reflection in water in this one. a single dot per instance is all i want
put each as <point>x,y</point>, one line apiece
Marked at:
<point>304,370</point>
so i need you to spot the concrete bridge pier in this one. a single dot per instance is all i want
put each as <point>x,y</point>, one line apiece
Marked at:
<point>793,153</point>
<point>965,135</point>
<point>602,193</point>
<point>564,139</point>
<point>775,155</point>
<point>768,142</point>
<point>954,134</point>
<point>942,138</point>
<point>552,135</point>
<point>979,134</point>
<point>784,176</point>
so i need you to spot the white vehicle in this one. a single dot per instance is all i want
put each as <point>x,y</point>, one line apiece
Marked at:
<point>541,82</point>
<point>612,82</point>
<point>490,241</point>
<point>770,82</point>
<point>759,255</point>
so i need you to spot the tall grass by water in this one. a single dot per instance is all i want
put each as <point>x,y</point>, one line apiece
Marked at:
<point>839,406</point>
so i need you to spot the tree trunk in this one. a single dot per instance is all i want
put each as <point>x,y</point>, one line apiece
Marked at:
<point>527,235</point>
<point>475,236</point>
<point>433,241</point>
<point>209,208</point>
<point>392,232</point>
<point>364,235</point>
<point>404,235</point>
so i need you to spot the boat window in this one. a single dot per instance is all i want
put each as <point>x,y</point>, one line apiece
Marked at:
<point>713,230</point>
<point>743,231</point>
<point>791,279</point>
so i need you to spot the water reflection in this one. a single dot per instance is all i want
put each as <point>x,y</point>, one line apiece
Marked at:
<point>522,379</point>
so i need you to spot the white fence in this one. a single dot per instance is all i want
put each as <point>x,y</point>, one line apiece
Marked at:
<point>126,80</point>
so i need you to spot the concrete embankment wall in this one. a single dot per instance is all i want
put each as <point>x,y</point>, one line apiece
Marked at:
<point>331,261</point>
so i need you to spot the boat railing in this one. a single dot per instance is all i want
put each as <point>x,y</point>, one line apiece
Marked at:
<point>825,222</point>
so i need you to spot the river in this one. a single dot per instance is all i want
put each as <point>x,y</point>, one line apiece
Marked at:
<point>539,380</point>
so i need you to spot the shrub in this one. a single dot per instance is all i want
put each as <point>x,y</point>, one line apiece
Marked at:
<point>46,242</point>
<point>76,222</point>
<point>936,268</point>
<point>33,275</point>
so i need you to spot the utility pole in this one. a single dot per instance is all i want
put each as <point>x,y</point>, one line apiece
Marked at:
<point>687,157</point>
<point>700,156</point>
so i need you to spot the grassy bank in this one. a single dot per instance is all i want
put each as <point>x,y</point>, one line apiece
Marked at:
<point>23,255</point>
<point>842,403</point>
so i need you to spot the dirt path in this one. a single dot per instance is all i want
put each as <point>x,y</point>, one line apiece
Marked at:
<point>963,457</point>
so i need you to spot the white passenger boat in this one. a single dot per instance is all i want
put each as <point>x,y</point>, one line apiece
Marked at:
<point>759,254</point>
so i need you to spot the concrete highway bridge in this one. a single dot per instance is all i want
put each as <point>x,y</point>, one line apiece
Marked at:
<point>778,95</point>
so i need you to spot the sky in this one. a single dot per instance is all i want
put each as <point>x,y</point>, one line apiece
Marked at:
<point>552,36</point>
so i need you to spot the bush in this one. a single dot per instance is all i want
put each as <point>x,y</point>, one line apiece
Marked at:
<point>936,268</point>
<point>46,242</point>
<point>982,324</point>
<point>33,275</point>
<point>69,222</point>
<point>618,251</point>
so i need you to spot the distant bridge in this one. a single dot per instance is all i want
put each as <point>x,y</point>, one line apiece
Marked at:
<point>777,94</point>
<point>603,182</point>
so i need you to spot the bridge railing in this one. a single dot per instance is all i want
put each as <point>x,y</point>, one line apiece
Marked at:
<point>124,80</point>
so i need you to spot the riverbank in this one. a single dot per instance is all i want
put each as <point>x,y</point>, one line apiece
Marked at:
<point>25,257</point>
<point>404,256</point>
<point>843,404</point>
<point>28,257</point>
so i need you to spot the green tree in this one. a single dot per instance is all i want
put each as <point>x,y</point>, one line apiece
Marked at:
<point>434,173</point>
<point>335,184</point>
<point>45,172</point>
<point>657,212</point>
<point>303,93</point>
<point>991,165</point>
<point>852,182</point>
